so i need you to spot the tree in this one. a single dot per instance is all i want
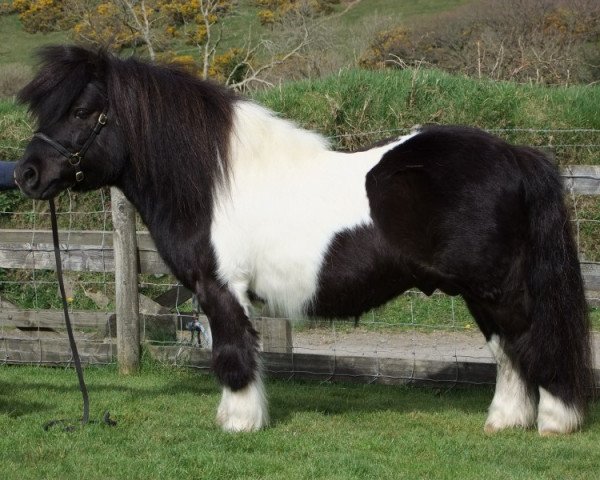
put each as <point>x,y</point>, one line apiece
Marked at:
<point>42,15</point>
<point>122,24</point>
<point>197,19</point>
<point>159,28</point>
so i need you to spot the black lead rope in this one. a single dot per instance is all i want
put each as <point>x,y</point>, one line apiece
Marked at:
<point>69,426</point>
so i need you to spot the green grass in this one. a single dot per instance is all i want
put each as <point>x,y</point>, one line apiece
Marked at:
<point>335,431</point>
<point>366,106</point>
<point>414,311</point>
<point>15,129</point>
<point>395,9</point>
<point>17,46</point>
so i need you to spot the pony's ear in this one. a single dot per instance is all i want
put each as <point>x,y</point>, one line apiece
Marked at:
<point>74,56</point>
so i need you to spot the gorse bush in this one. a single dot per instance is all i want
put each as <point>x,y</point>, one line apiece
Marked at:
<point>538,41</point>
<point>273,11</point>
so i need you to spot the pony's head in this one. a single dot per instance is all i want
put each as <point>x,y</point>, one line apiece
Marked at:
<point>78,144</point>
<point>103,120</point>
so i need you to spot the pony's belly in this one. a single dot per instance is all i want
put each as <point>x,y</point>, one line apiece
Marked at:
<point>287,288</point>
<point>281,269</point>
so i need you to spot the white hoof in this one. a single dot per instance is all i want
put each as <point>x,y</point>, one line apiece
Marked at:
<point>513,405</point>
<point>243,410</point>
<point>502,417</point>
<point>555,417</point>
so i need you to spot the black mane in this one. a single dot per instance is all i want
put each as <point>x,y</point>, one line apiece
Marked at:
<point>177,126</point>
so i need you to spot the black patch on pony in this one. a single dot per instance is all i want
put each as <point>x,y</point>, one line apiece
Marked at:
<point>459,210</point>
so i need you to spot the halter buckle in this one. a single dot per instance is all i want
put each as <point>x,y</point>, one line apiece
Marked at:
<point>75,159</point>
<point>79,176</point>
<point>102,118</point>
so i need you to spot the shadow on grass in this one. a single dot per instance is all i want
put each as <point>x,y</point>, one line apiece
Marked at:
<point>286,397</point>
<point>14,409</point>
<point>104,385</point>
<point>290,397</point>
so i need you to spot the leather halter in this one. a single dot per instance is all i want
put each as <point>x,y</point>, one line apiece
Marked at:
<point>75,158</point>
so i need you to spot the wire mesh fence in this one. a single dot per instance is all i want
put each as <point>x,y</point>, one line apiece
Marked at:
<point>413,337</point>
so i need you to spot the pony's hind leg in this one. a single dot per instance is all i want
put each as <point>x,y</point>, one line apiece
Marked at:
<point>243,406</point>
<point>548,361</point>
<point>535,379</point>
<point>514,402</point>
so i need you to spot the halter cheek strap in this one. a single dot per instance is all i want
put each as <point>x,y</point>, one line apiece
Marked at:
<point>74,158</point>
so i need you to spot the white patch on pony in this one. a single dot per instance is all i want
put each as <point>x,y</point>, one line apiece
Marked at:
<point>513,404</point>
<point>555,416</point>
<point>243,410</point>
<point>288,195</point>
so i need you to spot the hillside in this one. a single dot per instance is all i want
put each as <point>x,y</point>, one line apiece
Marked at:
<point>16,45</point>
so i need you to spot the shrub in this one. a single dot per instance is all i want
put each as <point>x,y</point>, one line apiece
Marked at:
<point>273,11</point>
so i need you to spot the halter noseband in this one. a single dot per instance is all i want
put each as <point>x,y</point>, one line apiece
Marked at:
<point>74,158</point>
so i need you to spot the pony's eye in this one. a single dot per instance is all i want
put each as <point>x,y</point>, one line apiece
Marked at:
<point>81,113</point>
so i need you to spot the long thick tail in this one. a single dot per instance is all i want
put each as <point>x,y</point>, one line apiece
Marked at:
<point>557,352</point>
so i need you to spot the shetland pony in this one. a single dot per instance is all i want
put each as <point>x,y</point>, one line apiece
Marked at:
<point>238,200</point>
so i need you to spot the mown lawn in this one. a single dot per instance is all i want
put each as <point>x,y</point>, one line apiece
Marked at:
<point>343,431</point>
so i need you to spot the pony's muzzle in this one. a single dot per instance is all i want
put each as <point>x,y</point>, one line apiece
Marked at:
<point>27,177</point>
<point>33,180</point>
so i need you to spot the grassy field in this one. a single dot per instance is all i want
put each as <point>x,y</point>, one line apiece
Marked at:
<point>17,46</point>
<point>166,430</point>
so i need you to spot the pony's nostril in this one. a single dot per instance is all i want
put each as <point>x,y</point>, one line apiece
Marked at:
<point>30,176</point>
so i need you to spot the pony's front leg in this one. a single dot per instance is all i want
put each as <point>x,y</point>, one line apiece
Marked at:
<point>243,406</point>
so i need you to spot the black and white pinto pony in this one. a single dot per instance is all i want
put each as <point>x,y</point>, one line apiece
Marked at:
<point>239,201</point>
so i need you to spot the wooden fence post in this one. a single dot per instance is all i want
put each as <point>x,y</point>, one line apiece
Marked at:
<point>126,286</point>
